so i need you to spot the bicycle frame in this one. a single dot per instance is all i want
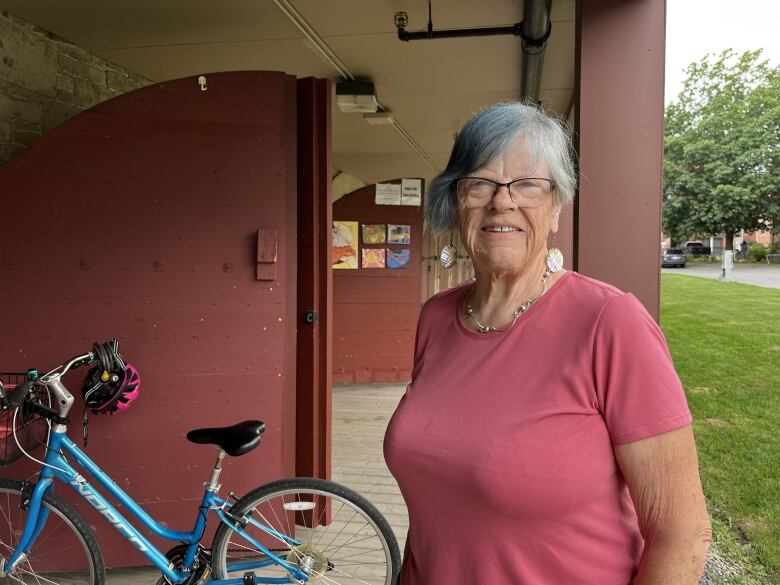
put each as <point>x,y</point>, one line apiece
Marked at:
<point>57,467</point>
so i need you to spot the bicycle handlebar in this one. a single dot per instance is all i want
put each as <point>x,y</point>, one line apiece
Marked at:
<point>73,363</point>
<point>78,361</point>
<point>16,397</point>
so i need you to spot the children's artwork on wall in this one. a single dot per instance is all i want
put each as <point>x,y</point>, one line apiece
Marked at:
<point>398,234</point>
<point>398,258</point>
<point>373,258</point>
<point>373,233</point>
<point>345,244</point>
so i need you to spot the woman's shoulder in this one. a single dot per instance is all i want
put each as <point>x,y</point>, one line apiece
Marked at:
<point>592,287</point>
<point>602,301</point>
<point>440,307</point>
<point>591,291</point>
<point>584,300</point>
<point>446,299</point>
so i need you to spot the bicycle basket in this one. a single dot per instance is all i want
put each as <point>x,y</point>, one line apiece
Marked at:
<point>31,431</point>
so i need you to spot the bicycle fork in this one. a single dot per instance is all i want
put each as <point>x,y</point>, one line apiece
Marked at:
<point>36,518</point>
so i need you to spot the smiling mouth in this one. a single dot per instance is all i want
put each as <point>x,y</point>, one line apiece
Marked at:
<point>495,229</point>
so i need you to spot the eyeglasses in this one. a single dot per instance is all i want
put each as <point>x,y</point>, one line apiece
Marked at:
<point>526,192</point>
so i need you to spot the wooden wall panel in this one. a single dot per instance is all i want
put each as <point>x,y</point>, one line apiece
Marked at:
<point>375,310</point>
<point>139,219</point>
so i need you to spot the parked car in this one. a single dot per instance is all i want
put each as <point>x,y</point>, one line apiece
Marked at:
<point>673,257</point>
<point>696,248</point>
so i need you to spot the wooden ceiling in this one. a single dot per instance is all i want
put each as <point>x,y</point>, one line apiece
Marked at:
<point>431,87</point>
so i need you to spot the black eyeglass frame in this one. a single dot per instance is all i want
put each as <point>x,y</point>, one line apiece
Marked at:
<point>508,185</point>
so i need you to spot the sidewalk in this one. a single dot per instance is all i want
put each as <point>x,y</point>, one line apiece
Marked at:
<point>755,274</point>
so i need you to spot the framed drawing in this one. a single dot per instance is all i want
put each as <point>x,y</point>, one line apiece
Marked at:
<point>373,258</point>
<point>398,234</point>
<point>398,258</point>
<point>373,233</point>
<point>345,244</point>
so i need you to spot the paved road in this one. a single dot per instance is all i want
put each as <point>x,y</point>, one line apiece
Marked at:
<point>756,274</point>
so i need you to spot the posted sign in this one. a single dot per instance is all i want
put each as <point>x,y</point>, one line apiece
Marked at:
<point>411,192</point>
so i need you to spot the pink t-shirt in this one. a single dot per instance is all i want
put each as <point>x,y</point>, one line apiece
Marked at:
<point>503,442</point>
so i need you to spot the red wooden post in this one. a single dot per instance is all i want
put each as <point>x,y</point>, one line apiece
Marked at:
<point>620,129</point>
<point>315,281</point>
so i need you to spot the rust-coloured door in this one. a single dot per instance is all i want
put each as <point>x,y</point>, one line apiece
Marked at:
<point>166,217</point>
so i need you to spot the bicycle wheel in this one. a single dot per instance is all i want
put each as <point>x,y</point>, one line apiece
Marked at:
<point>341,538</point>
<point>65,551</point>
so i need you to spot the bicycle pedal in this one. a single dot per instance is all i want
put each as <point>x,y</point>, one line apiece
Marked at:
<point>250,579</point>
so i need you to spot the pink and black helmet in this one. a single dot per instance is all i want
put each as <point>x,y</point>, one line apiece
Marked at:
<point>110,390</point>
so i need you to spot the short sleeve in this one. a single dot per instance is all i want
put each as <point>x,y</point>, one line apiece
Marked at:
<point>638,391</point>
<point>419,344</point>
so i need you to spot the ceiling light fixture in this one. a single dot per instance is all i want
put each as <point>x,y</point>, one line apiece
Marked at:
<point>379,119</point>
<point>356,97</point>
<point>331,58</point>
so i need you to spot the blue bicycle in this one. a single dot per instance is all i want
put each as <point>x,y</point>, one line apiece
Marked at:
<point>299,530</point>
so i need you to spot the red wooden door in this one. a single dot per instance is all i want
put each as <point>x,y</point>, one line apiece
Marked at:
<point>139,219</point>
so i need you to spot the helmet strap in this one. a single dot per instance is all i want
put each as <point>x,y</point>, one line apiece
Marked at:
<point>84,429</point>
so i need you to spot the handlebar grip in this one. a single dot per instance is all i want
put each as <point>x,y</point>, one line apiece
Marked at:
<point>15,397</point>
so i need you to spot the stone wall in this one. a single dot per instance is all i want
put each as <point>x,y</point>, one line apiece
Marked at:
<point>45,80</point>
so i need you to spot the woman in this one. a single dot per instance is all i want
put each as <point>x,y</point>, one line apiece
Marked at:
<point>545,437</point>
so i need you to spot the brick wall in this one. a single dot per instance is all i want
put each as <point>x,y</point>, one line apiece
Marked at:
<point>45,80</point>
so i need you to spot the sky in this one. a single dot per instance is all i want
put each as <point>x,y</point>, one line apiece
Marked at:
<point>697,27</point>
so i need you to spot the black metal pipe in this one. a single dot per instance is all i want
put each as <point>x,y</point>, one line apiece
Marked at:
<point>405,35</point>
<point>536,30</point>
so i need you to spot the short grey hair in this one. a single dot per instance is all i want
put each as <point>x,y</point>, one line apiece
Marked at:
<point>491,133</point>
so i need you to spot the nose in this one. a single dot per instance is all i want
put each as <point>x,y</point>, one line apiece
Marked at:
<point>502,199</point>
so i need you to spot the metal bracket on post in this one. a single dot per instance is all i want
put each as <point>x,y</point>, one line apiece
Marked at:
<point>266,254</point>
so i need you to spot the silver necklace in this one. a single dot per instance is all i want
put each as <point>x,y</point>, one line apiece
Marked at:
<point>517,312</point>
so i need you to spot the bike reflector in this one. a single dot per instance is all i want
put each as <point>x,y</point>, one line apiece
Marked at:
<point>299,506</point>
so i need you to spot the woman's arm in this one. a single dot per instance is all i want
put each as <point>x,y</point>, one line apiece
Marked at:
<point>662,474</point>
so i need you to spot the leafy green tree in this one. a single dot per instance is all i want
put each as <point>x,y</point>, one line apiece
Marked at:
<point>722,148</point>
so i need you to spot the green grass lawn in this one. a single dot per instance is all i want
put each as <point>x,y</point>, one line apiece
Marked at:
<point>725,341</point>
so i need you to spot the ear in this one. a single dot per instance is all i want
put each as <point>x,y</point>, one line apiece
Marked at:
<point>556,215</point>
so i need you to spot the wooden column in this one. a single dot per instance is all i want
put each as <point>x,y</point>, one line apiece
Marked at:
<point>620,92</point>
<point>315,280</point>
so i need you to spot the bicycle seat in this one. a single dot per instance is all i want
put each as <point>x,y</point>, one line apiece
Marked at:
<point>235,440</point>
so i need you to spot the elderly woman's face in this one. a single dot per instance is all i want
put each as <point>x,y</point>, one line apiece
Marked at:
<point>503,232</point>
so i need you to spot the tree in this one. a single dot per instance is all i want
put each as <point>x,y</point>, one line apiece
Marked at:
<point>722,148</point>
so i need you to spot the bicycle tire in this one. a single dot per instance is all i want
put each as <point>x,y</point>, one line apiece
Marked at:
<point>65,530</point>
<point>331,553</point>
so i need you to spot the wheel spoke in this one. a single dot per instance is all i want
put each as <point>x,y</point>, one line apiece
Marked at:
<point>60,554</point>
<point>355,546</point>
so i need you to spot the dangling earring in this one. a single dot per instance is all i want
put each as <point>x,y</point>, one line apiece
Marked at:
<point>448,255</point>
<point>554,256</point>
